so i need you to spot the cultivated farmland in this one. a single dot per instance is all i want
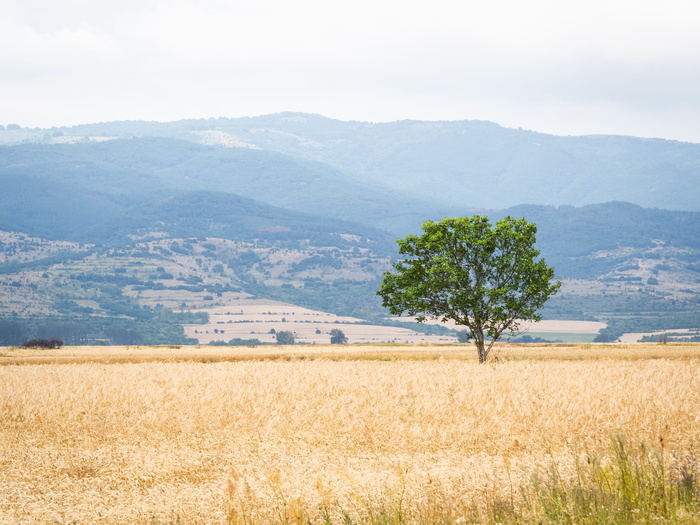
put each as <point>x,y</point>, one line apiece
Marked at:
<point>258,319</point>
<point>322,434</point>
<point>255,319</point>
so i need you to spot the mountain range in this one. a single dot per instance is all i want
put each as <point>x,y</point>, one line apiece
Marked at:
<point>466,164</point>
<point>618,217</point>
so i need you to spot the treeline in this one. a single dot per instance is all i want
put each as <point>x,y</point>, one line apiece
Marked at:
<point>674,337</point>
<point>92,330</point>
<point>136,325</point>
<point>647,323</point>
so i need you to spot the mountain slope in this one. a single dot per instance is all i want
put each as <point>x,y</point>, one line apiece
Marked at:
<point>590,241</point>
<point>473,164</point>
<point>135,169</point>
<point>634,268</point>
<point>231,217</point>
<point>50,208</point>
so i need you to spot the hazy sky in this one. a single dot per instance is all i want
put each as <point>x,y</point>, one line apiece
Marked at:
<point>561,66</point>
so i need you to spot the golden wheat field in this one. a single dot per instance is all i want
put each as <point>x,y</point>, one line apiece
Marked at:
<point>197,435</point>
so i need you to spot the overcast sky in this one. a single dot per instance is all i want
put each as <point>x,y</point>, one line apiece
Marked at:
<point>568,67</point>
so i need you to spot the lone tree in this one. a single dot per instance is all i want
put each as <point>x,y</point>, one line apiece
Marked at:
<point>485,278</point>
<point>285,338</point>
<point>338,337</point>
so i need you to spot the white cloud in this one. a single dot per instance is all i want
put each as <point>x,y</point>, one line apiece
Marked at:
<point>613,66</point>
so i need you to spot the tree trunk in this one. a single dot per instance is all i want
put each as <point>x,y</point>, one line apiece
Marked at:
<point>480,348</point>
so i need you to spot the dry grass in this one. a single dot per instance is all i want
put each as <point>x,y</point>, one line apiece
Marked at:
<point>386,352</point>
<point>270,441</point>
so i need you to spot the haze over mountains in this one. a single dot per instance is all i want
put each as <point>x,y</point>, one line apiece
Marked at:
<point>616,215</point>
<point>468,164</point>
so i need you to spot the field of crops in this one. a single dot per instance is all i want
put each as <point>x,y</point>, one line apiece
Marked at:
<point>260,319</point>
<point>412,434</point>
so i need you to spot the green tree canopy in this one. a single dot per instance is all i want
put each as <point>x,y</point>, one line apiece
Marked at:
<point>483,277</point>
<point>285,338</point>
<point>338,337</point>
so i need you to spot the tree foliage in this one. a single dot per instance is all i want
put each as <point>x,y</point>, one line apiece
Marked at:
<point>285,338</point>
<point>338,337</point>
<point>483,277</point>
<point>43,343</point>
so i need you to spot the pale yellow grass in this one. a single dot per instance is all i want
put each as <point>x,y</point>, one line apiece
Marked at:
<point>154,442</point>
<point>464,352</point>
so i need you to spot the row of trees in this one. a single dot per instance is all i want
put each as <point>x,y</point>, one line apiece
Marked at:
<point>42,343</point>
<point>164,327</point>
<point>287,338</point>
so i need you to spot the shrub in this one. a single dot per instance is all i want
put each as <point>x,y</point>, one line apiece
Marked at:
<point>42,343</point>
<point>285,338</point>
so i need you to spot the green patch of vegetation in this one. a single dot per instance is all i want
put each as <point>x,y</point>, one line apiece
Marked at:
<point>629,485</point>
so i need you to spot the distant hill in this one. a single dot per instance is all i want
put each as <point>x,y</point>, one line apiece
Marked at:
<point>589,241</point>
<point>471,164</point>
<point>51,208</point>
<point>132,171</point>
<point>231,217</point>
